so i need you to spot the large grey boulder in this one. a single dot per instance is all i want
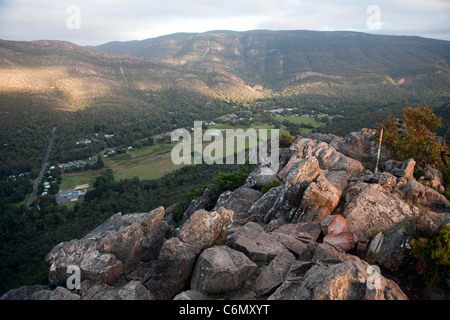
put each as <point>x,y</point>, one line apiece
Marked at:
<point>274,274</point>
<point>390,248</point>
<point>220,269</point>
<point>94,265</point>
<point>132,237</point>
<point>417,193</point>
<point>264,204</point>
<point>204,228</point>
<point>349,280</point>
<point>360,145</point>
<point>321,193</point>
<point>239,200</point>
<point>297,180</point>
<point>254,242</point>
<point>133,290</point>
<point>206,202</point>
<point>173,269</point>
<point>115,247</point>
<point>370,208</point>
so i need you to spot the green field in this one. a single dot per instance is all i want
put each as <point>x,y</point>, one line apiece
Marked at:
<point>71,180</point>
<point>302,121</point>
<point>147,163</point>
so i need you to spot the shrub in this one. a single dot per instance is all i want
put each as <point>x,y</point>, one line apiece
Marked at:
<point>270,185</point>
<point>414,136</point>
<point>433,256</point>
<point>286,140</point>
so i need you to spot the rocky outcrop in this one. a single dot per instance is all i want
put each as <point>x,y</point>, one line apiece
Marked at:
<point>113,248</point>
<point>305,239</point>
<point>275,274</point>
<point>259,177</point>
<point>174,266</point>
<point>258,245</point>
<point>173,269</point>
<point>203,228</point>
<point>370,208</point>
<point>417,193</point>
<point>220,269</point>
<point>348,280</point>
<point>390,248</point>
<point>239,201</point>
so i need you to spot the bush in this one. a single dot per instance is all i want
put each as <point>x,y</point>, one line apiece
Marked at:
<point>286,140</point>
<point>270,185</point>
<point>232,181</point>
<point>433,256</point>
<point>414,136</point>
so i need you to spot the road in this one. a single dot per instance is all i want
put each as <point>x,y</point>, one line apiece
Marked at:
<point>43,167</point>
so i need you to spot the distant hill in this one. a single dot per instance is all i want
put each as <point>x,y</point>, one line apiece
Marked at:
<point>281,59</point>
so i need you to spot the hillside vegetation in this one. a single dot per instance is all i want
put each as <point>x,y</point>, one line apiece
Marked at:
<point>143,88</point>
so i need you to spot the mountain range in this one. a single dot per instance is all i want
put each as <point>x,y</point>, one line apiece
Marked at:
<point>141,88</point>
<point>281,59</point>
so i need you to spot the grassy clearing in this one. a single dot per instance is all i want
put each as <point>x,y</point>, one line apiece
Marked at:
<point>155,161</point>
<point>301,120</point>
<point>71,180</point>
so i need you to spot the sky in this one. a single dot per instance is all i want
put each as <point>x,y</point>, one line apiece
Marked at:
<point>94,22</point>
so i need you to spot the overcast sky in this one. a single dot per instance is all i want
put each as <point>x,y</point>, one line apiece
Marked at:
<point>93,22</point>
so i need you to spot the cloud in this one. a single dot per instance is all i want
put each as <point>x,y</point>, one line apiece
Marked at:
<point>103,21</point>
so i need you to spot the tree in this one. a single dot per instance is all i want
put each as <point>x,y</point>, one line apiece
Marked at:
<point>413,136</point>
<point>286,140</point>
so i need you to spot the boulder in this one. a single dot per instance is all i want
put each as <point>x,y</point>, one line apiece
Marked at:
<point>390,248</point>
<point>173,269</point>
<point>332,160</point>
<point>321,193</point>
<point>406,169</point>
<point>390,165</point>
<point>221,269</point>
<point>191,295</point>
<point>204,228</point>
<point>293,244</point>
<point>254,242</point>
<point>26,293</point>
<point>133,290</point>
<point>61,293</point>
<point>274,274</point>
<point>361,146</point>
<point>388,181</point>
<point>263,205</point>
<point>334,224</point>
<point>239,200</point>
<point>369,207</point>
<point>324,253</point>
<point>417,193</point>
<point>206,201</point>
<point>435,179</point>
<point>343,240</point>
<point>299,178</point>
<point>299,150</point>
<point>313,214</point>
<point>304,231</point>
<point>259,177</point>
<point>349,280</point>
<point>94,265</point>
<point>114,247</point>
<point>132,237</point>
<point>301,174</point>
